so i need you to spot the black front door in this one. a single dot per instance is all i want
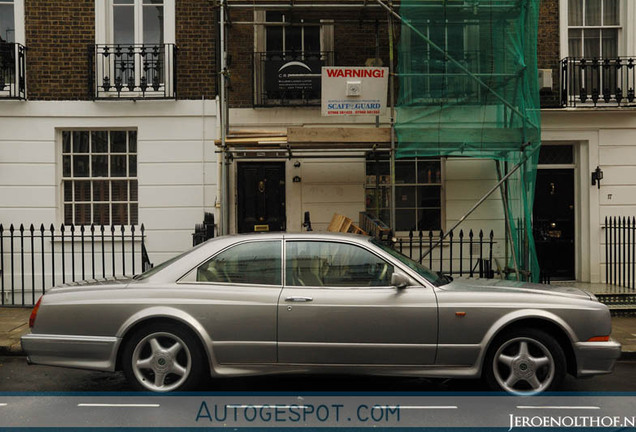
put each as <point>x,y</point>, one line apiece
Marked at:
<point>261,196</point>
<point>553,222</point>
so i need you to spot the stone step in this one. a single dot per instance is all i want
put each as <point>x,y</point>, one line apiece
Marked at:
<point>622,309</point>
<point>617,298</point>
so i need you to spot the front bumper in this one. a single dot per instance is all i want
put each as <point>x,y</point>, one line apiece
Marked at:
<point>596,358</point>
<point>84,352</point>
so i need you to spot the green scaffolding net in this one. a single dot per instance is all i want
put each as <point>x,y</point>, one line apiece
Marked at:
<point>468,87</point>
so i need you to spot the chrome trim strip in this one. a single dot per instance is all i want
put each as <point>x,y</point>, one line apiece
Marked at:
<point>69,338</point>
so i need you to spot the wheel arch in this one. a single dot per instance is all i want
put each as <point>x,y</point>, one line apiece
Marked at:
<point>548,323</point>
<point>164,315</point>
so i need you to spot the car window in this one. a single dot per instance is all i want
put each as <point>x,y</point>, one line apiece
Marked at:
<point>422,270</point>
<point>256,263</point>
<point>332,264</point>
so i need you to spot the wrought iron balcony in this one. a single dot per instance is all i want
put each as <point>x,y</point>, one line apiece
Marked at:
<point>12,71</point>
<point>594,82</point>
<point>135,71</point>
<point>289,78</point>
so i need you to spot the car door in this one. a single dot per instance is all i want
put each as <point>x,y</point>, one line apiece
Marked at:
<point>237,292</point>
<point>337,307</point>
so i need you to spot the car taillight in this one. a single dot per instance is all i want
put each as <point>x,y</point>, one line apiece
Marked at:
<point>34,313</point>
<point>599,339</point>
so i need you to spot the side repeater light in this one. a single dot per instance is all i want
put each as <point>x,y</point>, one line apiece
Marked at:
<point>599,339</point>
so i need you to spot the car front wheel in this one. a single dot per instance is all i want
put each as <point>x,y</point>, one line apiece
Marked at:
<point>525,362</point>
<point>163,357</point>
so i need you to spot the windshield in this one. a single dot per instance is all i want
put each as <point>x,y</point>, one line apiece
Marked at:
<point>431,276</point>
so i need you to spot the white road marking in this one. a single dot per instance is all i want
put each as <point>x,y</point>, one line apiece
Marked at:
<point>3,404</point>
<point>547,407</point>
<point>103,405</point>
<point>274,406</point>
<point>426,407</point>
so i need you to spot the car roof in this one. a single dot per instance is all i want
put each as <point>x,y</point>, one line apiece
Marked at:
<point>294,235</point>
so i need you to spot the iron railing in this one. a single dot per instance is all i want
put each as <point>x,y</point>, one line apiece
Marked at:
<point>134,71</point>
<point>12,71</point>
<point>597,82</point>
<point>35,259</point>
<point>289,78</point>
<point>468,255</point>
<point>620,251</point>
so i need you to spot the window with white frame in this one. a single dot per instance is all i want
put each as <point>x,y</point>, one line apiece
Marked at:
<point>12,50</point>
<point>135,47</point>
<point>593,28</point>
<point>99,177</point>
<point>290,52</point>
<point>418,192</point>
<point>138,22</point>
<point>7,21</point>
<point>429,76</point>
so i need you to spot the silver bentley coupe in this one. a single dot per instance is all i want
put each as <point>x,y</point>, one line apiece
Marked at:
<point>318,303</point>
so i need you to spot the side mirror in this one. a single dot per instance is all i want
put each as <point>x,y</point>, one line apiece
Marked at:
<point>400,280</point>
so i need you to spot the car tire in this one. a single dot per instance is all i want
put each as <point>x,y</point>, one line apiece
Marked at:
<point>163,357</point>
<point>525,362</point>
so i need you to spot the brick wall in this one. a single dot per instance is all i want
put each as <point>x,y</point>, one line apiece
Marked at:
<point>548,49</point>
<point>196,39</point>
<point>240,39</point>
<point>60,33</point>
<point>58,36</point>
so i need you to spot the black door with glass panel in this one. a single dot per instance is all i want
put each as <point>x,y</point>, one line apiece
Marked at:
<point>554,223</point>
<point>261,196</point>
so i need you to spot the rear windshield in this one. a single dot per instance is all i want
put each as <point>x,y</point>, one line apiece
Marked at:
<point>163,265</point>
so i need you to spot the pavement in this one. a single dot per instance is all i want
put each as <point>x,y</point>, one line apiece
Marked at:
<point>14,322</point>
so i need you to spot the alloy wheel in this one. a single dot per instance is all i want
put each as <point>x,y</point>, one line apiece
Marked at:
<point>161,362</point>
<point>523,365</point>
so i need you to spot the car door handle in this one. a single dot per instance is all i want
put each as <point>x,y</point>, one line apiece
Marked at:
<point>298,299</point>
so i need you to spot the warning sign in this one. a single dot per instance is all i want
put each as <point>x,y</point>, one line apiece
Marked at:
<point>350,90</point>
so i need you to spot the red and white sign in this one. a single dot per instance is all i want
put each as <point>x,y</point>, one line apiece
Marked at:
<point>348,90</point>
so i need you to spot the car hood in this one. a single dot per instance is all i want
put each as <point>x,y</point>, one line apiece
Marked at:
<point>506,286</point>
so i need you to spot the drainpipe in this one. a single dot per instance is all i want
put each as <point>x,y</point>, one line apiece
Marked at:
<point>225,216</point>
<point>392,101</point>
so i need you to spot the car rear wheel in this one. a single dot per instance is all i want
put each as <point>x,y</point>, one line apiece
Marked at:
<point>163,357</point>
<point>525,362</point>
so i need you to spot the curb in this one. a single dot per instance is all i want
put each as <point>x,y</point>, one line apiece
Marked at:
<point>628,355</point>
<point>13,350</point>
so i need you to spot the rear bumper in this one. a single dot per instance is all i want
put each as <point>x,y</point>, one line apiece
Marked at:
<point>85,352</point>
<point>596,358</point>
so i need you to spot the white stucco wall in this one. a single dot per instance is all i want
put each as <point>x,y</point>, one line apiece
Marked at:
<point>605,138</point>
<point>177,168</point>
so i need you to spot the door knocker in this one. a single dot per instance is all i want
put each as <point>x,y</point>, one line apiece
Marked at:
<point>261,186</point>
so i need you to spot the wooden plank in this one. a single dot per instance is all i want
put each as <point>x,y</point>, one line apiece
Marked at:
<point>338,135</point>
<point>355,229</point>
<point>336,222</point>
<point>346,224</point>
